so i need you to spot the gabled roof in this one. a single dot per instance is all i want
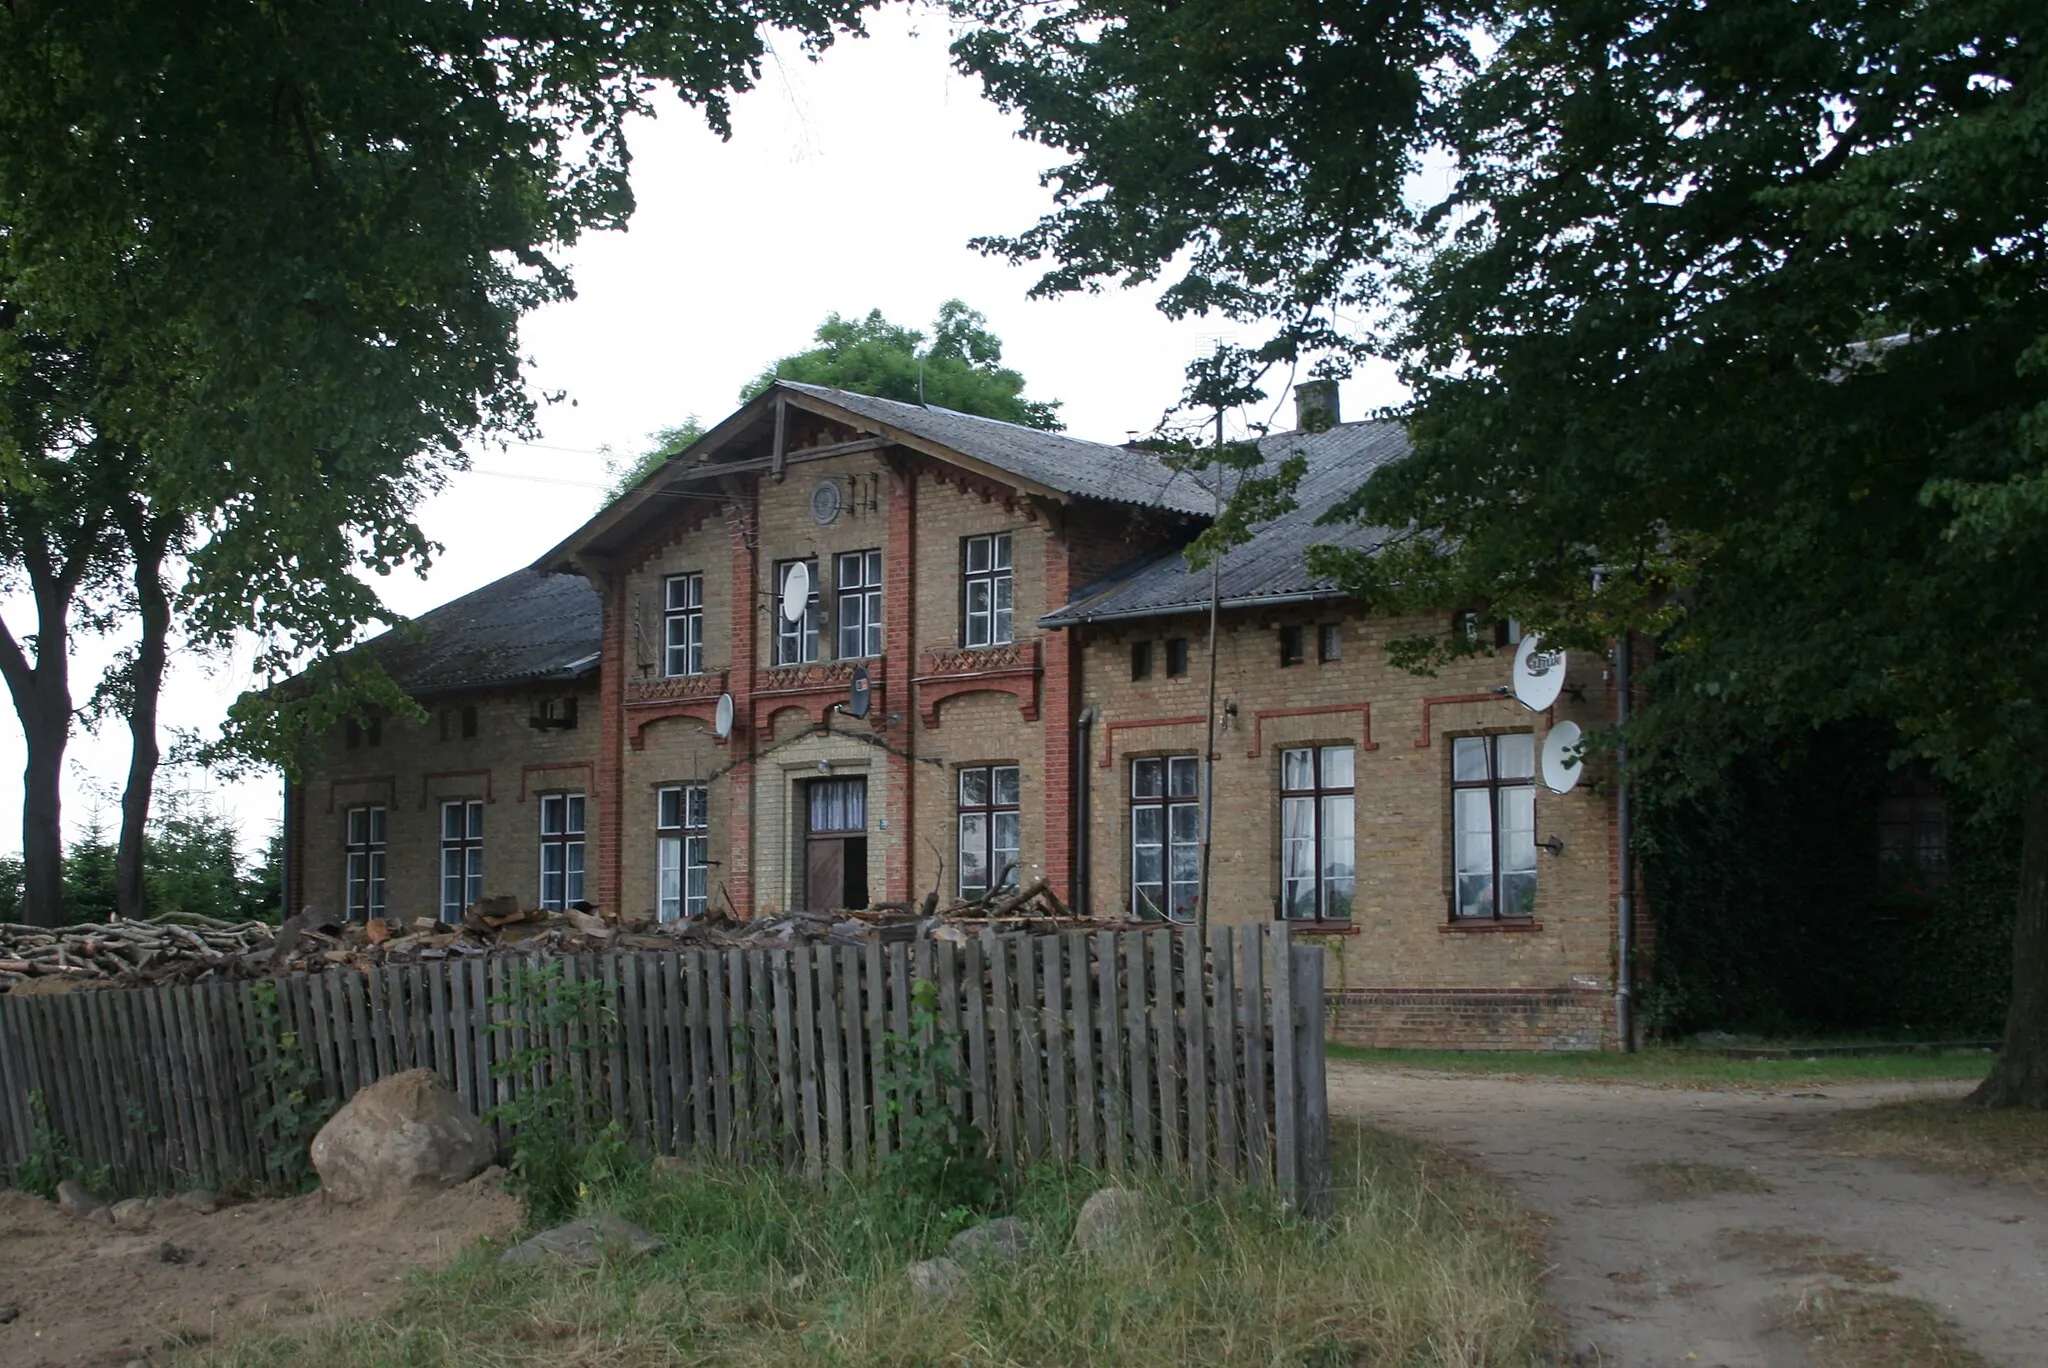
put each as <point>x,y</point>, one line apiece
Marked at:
<point>1273,566</point>
<point>1069,465</point>
<point>528,627</point>
<point>1037,462</point>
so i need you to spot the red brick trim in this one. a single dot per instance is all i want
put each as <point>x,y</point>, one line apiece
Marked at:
<point>1110,729</point>
<point>818,688</point>
<point>1422,742</point>
<point>589,772</point>
<point>1324,928</point>
<point>1476,927</point>
<point>608,781</point>
<point>669,688</point>
<point>641,716</point>
<point>1364,710</point>
<point>427,782</point>
<point>390,782</point>
<point>1017,669</point>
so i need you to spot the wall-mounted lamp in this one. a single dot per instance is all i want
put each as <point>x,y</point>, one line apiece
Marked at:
<point>1555,845</point>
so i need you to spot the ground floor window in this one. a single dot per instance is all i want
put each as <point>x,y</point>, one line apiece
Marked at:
<point>1166,834</point>
<point>561,850</point>
<point>366,826</point>
<point>1493,816</point>
<point>990,829</point>
<point>1317,833</point>
<point>462,856</point>
<point>682,840</point>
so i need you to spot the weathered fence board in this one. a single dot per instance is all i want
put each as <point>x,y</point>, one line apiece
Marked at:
<point>1138,1049</point>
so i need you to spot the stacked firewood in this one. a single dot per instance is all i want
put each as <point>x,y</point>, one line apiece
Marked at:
<point>179,948</point>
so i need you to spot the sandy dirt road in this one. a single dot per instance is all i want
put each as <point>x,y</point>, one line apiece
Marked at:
<point>1644,1281</point>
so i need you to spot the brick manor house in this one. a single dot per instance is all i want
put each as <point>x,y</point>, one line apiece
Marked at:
<point>1034,648</point>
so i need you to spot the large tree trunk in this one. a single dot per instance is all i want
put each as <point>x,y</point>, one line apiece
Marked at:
<point>2019,1077</point>
<point>146,679</point>
<point>48,730</point>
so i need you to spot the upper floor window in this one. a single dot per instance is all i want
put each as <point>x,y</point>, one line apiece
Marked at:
<point>860,604</point>
<point>990,829</point>
<point>796,643</point>
<point>1912,831</point>
<point>365,863</point>
<point>1290,646</point>
<point>1141,660</point>
<point>1493,817</point>
<point>1176,657</point>
<point>682,840</point>
<point>1317,832</point>
<point>1166,834</point>
<point>462,857</point>
<point>683,630</point>
<point>369,732</point>
<point>561,850</point>
<point>1330,642</point>
<point>985,592</point>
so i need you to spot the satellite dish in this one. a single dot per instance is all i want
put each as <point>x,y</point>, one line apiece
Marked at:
<point>796,591</point>
<point>1539,674</point>
<point>1561,759</point>
<point>857,696</point>
<point>721,721</point>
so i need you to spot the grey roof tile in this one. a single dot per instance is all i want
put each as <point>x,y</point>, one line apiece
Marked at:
<point>1092,470</point>
<point>528,626</point>
<point>1273,566</point>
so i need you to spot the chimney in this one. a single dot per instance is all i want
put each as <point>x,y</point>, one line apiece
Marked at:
<point>1315,405</point>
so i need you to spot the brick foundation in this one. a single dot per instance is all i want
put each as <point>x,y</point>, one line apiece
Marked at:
<point>1471,1018</point>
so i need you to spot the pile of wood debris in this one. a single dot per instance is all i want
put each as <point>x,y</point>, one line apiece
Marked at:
<point>186,949</point>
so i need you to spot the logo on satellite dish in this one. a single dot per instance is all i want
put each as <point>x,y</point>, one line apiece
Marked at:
<point>1539,674</point>
<point>857,694</point>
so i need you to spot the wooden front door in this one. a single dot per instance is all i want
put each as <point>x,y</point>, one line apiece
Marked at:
<point>835,844</point>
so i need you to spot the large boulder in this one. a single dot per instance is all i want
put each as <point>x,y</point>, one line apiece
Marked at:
<point>401,1134</point>
<point>1002,1240</point>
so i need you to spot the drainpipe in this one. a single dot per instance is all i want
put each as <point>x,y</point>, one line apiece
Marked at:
<point>1084,754</point>
<point>284,864</point>
<point>1624,862</point>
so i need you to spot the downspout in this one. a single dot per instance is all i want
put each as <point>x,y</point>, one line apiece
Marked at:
<point>284,871</point>
<point>1084,755</point>
<point>1624,863</point>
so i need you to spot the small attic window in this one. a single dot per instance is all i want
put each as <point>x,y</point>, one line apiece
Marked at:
<point>554,714</point>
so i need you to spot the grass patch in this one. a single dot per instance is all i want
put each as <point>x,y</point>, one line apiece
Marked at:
<point>2006,1142</point>
<point>1681,1067</point>
<point>1424,1264</point>
<point>1794,1254</point>
<point>1850,1328</point>
<point>1673,1182</point>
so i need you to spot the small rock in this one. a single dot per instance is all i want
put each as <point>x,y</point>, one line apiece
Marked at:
<point>172,1254</point>
<point>130,1214</point>
<point>1109,1219</point>
<point>936,1279</point>
<point>200,1200</point>
<point>1002,1240</point>
<point>9,1314</point>
<point>76,1201</point>
<point>584,1243</point>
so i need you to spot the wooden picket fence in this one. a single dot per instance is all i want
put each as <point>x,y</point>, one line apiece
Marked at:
<point>1113,1050</point>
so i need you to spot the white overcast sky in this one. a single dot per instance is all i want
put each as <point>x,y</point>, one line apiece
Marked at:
<point>849,184</point>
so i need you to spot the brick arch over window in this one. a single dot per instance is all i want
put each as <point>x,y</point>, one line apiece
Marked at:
<point>1016,668</point>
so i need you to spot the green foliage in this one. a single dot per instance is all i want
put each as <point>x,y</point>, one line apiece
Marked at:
<point>288,1089</point>
<point>564,1141</point>
<point>1772,914</point>
<point>666,443</point>
<point>50,1160</point>
<point>940,1162</point>
<point>962,368</point>
<point>192,862</point>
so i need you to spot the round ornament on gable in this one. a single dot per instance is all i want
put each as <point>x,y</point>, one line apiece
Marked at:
<point>825,502</point>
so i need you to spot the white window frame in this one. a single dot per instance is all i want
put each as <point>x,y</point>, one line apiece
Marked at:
<point>682,851</point>
<point>988,828</point>
<point>858,576</point>
<point>683,625</point>
<point>1166,823</point>
<point>1493,826</point>
<point>796,643</point>
<point>462,856</point>
<point>1318,832</point>
<point>365,831</point>
<point>561,849</point>
<point>987,591</point>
